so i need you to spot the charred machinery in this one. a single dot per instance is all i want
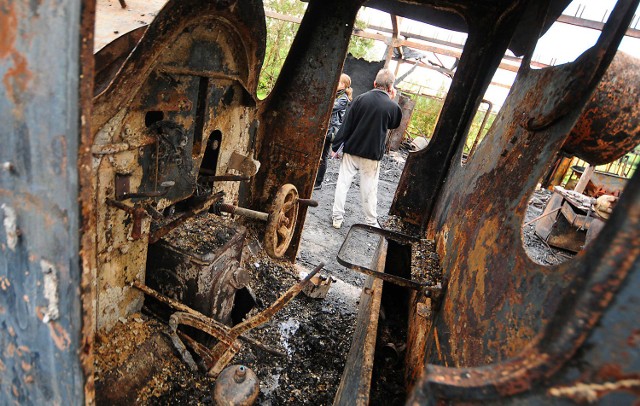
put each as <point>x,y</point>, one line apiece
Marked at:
<point>120,171</point>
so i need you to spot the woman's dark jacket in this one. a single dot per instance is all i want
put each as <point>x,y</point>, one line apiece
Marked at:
<point>337,114</point>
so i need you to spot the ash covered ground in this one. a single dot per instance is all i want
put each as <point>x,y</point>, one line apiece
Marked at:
<point>315,334</point>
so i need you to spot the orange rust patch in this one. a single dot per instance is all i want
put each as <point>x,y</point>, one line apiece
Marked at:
<point>10,351</point>
<point>4,283</point>
<point>26,367</point>
<point>59,335</point>
<point>8,27</point>
<point>18,77</point>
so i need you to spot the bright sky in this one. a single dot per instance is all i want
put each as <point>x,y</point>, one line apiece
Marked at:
<point>562,43</point>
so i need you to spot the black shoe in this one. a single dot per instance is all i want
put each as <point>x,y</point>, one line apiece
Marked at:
<point>317,187</point>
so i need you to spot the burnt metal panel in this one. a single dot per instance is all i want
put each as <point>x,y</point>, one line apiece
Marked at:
<point>192,74</point>
<point>362,72</point>
<point>497,300</point>
<point>41,104</point>
<point>294,116</point>
<point>589,350</point>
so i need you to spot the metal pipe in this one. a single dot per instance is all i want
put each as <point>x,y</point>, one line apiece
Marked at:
<point>231,209</point>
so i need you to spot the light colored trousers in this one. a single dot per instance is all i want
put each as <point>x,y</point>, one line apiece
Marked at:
<point>369,172</point>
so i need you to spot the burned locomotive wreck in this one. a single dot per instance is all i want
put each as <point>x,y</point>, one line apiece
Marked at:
<point>115,199</point>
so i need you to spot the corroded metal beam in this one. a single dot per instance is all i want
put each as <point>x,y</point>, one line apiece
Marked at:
<point>426,170</point>
<point>295,114</point>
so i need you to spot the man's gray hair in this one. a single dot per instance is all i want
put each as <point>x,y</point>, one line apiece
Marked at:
<point>385,79</point>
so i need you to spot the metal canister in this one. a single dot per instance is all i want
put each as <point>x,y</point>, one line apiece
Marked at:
<point>236,385</point>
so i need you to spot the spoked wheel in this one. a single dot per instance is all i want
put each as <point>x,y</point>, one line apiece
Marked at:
<point>282,221</point>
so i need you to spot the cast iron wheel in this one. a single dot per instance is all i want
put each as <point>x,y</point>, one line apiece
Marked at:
<point>282,221</point>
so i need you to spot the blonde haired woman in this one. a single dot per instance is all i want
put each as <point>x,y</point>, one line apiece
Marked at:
<point>340,103</point>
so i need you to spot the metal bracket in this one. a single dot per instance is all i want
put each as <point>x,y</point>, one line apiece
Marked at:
<point>429,290</point>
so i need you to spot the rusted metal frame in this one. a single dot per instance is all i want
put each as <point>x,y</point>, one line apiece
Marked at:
<point>215,328</point>
<point>487,279</point>
<point>294,116</point>
<point>160,232</point>
<point>601,272</point>
<point>45,105</point>
<point>479,133</point>
<point>174,17</point>
<point>396,280</point>
<point>355,382</point>
<point>425,171</point>
<point>88,241</point>
<point>392,42</point>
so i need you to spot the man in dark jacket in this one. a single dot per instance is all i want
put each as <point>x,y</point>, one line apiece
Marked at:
<point>364,133</point>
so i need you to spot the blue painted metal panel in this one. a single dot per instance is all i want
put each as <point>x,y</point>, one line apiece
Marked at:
<point>40,313</point>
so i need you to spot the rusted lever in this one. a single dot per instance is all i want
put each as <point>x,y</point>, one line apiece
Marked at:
<point>136,211</point>
<point>156,193</point>
<point>224,178</point>
<point>221,207</point>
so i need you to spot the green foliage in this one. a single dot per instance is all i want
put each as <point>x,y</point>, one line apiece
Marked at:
<point>280,35</point>
<point>361,47</point>
<point>425,115</point>
<point>475,127</point>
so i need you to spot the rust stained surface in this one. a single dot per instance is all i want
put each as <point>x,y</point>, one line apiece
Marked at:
<point>8,27</point>
<point>152,124</point>
<point>609,126</point>
<point>88,247</point>
<point>594,313</point>
<point>40,267</point>
<point>507,323</point>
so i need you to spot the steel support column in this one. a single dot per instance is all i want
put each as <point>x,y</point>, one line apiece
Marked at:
<point>45,98</point>
<point>426,170</point>
<point>295,115</point>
